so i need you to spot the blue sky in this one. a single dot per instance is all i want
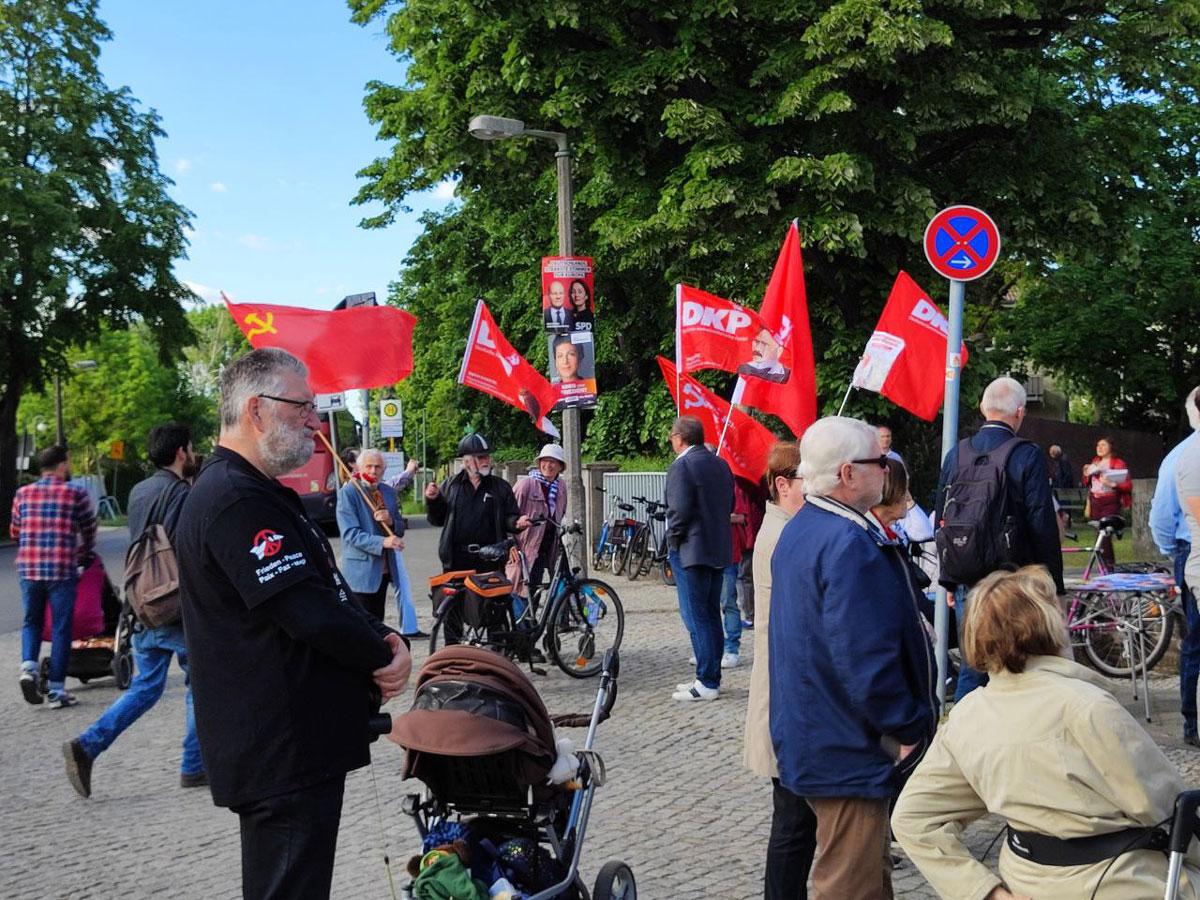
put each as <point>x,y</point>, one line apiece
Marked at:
<point>262,105</point>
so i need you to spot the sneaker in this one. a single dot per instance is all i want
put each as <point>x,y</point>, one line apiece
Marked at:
<point>60,699</point>
<point>696,691</point>
<point>193,780</point>
<point>730,661</point>
<point>415,634</point>
<point>1190,736</point>
<point>748,623</point>
<point>692,659</point>
<point>29,687</point>
<point>79,767</point>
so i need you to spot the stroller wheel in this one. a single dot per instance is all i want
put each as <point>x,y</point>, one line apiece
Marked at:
<point>122,669</point>
<point>615,882</point>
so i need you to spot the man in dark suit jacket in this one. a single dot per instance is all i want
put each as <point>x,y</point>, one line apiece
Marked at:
<point>699,497</point>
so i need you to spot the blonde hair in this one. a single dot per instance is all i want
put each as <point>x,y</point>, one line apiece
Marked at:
<point>1012,616</point>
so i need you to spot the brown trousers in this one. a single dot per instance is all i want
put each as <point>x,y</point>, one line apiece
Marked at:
<point>854,861</point>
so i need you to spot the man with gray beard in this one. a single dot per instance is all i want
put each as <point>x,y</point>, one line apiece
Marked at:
<point>284,660</point>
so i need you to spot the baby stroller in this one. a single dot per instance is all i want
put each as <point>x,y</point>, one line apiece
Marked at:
<point>101,632</point>
<point>479,737</point>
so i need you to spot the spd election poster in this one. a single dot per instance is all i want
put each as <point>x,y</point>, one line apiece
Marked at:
<point>568,299</point>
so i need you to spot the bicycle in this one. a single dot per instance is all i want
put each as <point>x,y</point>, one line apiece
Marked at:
<point>648,548</point>
<point>612,543</point>
<point>575,621</point>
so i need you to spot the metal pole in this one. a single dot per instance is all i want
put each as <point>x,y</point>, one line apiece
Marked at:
<point>60,433</point>
<point>941,610</point>
<point>572,426</point>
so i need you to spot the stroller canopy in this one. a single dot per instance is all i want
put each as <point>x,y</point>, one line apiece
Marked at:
<point>473,702</point>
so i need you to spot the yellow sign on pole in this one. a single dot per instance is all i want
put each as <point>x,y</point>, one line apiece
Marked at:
<point>116,450</point>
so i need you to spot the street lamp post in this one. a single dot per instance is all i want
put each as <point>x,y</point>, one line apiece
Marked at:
<point>60,433</point>
<point>496,128</point>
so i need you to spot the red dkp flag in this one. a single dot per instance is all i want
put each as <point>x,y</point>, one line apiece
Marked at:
<point>746,444</point>
<point>781,377</point>
<point>345,349</point>
<point>905,358</point>
<point>490,364</point>
<point>712,332</point>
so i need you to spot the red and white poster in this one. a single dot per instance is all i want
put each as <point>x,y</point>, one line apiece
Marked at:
<point>712,332</point>
<point>905,358</point>
<point>568,299</point>
<point>781,377</point>
<point>490,364</point>
<point>746,442</point>
<point>572,358</point>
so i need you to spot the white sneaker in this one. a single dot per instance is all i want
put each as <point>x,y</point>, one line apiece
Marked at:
<point>692,659</point>
<point>730,661</point>
<point>696,691</point>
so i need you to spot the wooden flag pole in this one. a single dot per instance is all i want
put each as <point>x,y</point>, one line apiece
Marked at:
<point>349,476</point>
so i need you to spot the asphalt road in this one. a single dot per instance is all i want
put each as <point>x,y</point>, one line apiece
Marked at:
<point>111,542</point>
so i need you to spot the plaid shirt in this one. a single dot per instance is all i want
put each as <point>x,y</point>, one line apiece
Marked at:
<point>56,527</point>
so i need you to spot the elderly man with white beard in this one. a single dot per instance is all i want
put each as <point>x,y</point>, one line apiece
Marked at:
<point>285,662</point>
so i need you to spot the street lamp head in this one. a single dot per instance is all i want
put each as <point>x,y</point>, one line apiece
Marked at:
<point>85,364</point>
<point>495,128</point>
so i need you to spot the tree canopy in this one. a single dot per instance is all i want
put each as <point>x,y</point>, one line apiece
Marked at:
<point>88,231</point>
<point>700,128</point>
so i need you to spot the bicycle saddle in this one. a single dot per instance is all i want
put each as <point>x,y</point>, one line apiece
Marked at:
<point>1116,523</point>
<point>625,507</point>
<point>492,552</point>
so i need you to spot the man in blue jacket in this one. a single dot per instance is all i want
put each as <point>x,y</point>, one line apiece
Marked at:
<point>1029,497</point>
<point>699,495</point>
<point>1172,536</point>
<point>852,702</point>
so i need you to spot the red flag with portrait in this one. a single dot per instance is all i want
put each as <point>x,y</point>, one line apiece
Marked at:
<point>344,349</point>
<point>781,378</point>
<point>712,332</point>
<point>490,364</point>
<point>746,442</point>
<point>905,358</point>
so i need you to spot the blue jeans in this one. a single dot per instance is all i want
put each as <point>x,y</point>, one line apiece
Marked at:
<point>152,652</point>
<point>61,597</point>
<point>1189,644</point>
<point>968,678</point>
<point>699,590</point>
<point>730,611</point>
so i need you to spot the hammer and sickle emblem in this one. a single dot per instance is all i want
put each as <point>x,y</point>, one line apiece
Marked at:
<point>259,326</point>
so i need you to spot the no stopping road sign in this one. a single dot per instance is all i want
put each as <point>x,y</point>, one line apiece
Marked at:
<point>962,243</point>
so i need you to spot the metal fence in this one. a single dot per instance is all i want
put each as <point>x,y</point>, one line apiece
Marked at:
<point>627,485</point>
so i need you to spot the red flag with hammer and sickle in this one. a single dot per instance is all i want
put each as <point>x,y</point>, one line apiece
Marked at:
<point>344,349</point>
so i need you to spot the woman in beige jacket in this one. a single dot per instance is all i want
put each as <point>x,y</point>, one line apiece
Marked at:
<point>1048,748</point>
<point>790,850</point>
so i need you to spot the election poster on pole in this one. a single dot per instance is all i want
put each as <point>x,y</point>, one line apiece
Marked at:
<point>573,368</point>
<point>568,295</point>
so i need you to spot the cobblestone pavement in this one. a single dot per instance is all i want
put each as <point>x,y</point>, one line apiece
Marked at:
<point>678,807</point>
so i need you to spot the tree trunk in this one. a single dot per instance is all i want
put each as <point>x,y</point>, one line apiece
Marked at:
<point>8,449</point>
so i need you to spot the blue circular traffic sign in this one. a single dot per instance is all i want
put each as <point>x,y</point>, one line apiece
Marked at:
<point>962,243</point>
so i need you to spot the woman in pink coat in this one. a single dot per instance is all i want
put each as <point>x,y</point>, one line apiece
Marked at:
<point>541,494</point>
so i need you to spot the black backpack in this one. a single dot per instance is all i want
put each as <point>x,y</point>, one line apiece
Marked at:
<point>979,531</point>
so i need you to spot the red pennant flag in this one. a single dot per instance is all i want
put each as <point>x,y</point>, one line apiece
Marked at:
<point>746,443</point>
<point>906,356</point>
<point>490,364</point>
<point>712,332</point>
<point>346,349</point>
<point>781,378</point>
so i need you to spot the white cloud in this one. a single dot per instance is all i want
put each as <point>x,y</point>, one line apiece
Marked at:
<point>183,166</point>
<point>111,166</point>
<point>203,291</point>
<point>255,242</point>
<point>218,187</point>
<point>444,190</point>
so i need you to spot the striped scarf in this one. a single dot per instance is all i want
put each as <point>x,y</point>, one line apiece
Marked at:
<point>550,489</point>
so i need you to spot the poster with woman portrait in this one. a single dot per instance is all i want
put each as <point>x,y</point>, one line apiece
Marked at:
<point>568,301</point>
<point>573,368</point>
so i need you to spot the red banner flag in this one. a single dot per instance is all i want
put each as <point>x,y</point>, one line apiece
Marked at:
<point>712,332</point>
<point>746,443</point>
<point>781,377</point>
<point>345,349</point>
<point>905,358</point>
<point>490,364</point>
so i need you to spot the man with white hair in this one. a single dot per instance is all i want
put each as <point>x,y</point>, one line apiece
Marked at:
<point>851,668</point>
<point>1017,522</point>
<point>285,662</point>
<point>1169,525</point>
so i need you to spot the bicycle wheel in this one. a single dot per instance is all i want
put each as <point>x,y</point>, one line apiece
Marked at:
<point>449,628</point>
<point>601,546</point>
<point>586,622</point>
<point>668,571</point>
<point>639,553</point>
<point>1113,640</point>
<point>620,551</point>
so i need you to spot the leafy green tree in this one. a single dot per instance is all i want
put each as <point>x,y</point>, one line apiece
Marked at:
<point>700,128</point>
<point>88,233</point>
